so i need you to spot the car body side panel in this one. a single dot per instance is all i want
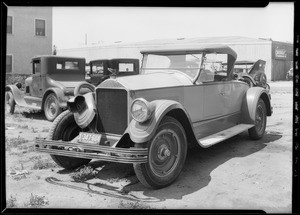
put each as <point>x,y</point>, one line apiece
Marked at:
<point>212,126</point>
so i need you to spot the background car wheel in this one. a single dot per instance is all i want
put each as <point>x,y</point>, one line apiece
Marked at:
<point>167,154</point>
<point>51,107</point>
<point>9,102</point>
<point>258,130</point>
<point>65,128</point>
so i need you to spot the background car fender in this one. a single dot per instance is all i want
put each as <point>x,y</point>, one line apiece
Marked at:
<point>142,132</point>
<point>250,101</point>
<point>17,93</point>
<point>62,99</point>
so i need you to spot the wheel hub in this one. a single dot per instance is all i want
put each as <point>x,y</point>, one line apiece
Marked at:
<point>163,152</point>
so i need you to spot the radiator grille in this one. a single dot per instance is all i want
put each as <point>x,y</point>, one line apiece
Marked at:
<point>112,110</point>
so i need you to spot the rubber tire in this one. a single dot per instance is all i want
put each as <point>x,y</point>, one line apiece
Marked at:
<point>12,103</point>
<point>143,171</point>
<point>46,108</point>
<point>62,124</point>
<point>253,132</point>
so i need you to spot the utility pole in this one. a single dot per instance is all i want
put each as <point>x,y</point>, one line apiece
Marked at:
<point>85,39</point>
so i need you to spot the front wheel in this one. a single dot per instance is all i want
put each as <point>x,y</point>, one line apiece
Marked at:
<point>51,107</point>
<point>167,154</point>
<point>259,128</point>
<point>65,128</point>
<point>9,102</point>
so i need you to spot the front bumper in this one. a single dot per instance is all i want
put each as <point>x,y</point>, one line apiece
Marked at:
<point>92,151</point>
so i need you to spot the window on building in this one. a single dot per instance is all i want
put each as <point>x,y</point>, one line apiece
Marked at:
<point>40,27</point>
<point>9,25</point>
<point>8,63</point>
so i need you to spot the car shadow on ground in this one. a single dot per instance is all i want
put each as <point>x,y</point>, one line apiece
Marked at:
<point>196,173</point>
<point>37,115</point>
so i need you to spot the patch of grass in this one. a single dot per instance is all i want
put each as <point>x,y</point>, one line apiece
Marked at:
<point>11,202</point>
<point>40,163</point>
<point>83,173</point>
<point>36,201</point>
<point>18,117</point>
<point>26,148</point>
<point>14,142</point>
<point>133,205</point>
<point>34,130</point>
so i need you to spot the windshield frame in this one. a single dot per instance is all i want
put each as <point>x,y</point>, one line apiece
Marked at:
<point>193,79</point>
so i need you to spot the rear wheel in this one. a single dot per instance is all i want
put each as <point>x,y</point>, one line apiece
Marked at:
<point>51,107</point>
<point>167,154</point>
<point>9,102</point>
<point>258,130</point>
<point>65,128</point>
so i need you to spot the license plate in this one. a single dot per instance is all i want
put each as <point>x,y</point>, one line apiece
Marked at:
<point>89,138</point>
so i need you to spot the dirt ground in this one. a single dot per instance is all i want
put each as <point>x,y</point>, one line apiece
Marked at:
<point>236,174</point>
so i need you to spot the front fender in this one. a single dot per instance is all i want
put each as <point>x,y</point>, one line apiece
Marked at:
<point>17,93</point>
<point>59,93</point>
<point>249,104</point>
<point>143,132</point>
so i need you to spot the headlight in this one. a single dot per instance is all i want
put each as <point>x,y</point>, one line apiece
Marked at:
<point>140,110</point>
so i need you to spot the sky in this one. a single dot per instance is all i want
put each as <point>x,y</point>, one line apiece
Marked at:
<point>73,26</point>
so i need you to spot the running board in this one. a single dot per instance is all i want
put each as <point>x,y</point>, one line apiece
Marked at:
<point>223,135</point>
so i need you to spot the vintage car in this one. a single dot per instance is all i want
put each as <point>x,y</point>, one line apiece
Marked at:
<point>100,70</point>
<point>49,87</point>
<point>180,99</point>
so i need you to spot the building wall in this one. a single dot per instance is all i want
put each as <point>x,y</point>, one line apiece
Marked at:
<point>23,44</point>
<point>282,60</point>
<point>254,52</point>
<point>245,51</point>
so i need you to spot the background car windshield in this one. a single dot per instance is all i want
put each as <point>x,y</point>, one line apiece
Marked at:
<point>188,64</point>
<point>67,65</point>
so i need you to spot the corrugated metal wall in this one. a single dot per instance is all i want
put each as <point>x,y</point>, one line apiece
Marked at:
<point>248,51</point>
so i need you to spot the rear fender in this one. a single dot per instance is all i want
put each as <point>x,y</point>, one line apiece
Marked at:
<point>17,93</point>
<point>143,132</point>
<point>62,99</point>
<point>249,104</point>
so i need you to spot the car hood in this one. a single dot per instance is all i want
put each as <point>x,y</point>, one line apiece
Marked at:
<point>149,81</point>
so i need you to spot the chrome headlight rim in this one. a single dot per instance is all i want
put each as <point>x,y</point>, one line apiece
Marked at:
<point>146,105</point>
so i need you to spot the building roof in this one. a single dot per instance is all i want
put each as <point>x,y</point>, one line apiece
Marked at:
<point>206,40</point>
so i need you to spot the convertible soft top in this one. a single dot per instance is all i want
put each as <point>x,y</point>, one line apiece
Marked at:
<point>192,49</point>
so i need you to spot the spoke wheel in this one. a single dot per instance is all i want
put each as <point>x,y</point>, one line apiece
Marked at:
<point>167,154</point>
<point>9,102</point>
<point>65,128</point>
<point>51,107</point>
<point>258,130</point>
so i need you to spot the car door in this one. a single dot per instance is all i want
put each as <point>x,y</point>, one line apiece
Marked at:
<point>36,88</point>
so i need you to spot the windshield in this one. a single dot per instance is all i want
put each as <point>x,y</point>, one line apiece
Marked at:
<point>189,64</point>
